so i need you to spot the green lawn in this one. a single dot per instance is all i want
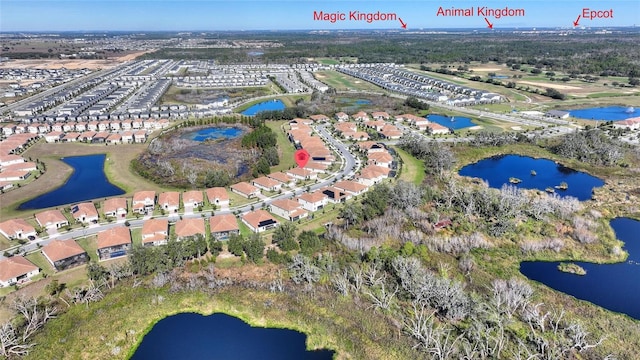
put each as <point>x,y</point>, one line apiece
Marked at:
<point>341,81</point>
<point>136,236</point>
<point>285,146</point>
<point>90,245</point>
<point>412,169</point>
<point>237,200</point>
<point>40,261</point>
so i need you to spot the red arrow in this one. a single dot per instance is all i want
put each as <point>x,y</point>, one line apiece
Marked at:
<point>575,23</point>
<point>490,24</point>
<point>404,26</point>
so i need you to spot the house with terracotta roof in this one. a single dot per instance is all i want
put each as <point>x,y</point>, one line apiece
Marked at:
<point>313,201</point>
<point>360,116</point>
<point>341,116</point>
<point>630,123</point>
<point>266,183</point>
<point>139,136</point>
<point>223,226</point>
<point>319,118</point>
<point>288,209</point>
<point>6,160</point>
<point>369,147</point>
<point>335,195</point>
<point>372,174</point>
<point>351,187</point>
<point>356,136</point>
<point>114,242</point>
<point>64,254</point>
<point>381,158</point>
<point>114,139</point>
<point>192,198</point>
<point>16,270</point>
<point>435,129</point>
<point>144,202</point>
<point>17,229</point>
<point>283,178</point>
<point>218,196</point>
<point>115,207</point>
<point>14,175</point>
<point>301,174</point>
<point>189,227</point>
<point>316,167</point>
<point>346,127</point>
<point>85,212</point>
<point>23,166</point>
<point>51,219</point>
<point>54,136</point>
<point>390,132</point>
<point>380,115</point>
<point>245,189</point>
<point>259,220</point>
<point>155,232</point>
<point>169,201</point>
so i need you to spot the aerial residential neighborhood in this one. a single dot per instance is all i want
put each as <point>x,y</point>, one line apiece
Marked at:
<point>294,180</point>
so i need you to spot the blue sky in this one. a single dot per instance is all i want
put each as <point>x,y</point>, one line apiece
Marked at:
<point>144,15</point>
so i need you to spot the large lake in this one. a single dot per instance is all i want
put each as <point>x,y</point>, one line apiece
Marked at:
<point>264,106</point>
<point>220,336</point>
<point>613,286</point>
<point>498,169</point>
<point>213,133</point>
<point>455,122</point>
<point>608,113</point>
<point>87,182</point>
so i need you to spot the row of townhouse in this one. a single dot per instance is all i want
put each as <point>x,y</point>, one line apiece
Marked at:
<point>82,126</point>
<point>14,168</point>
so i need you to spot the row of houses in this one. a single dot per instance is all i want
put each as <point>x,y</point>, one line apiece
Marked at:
<point>41,128</point>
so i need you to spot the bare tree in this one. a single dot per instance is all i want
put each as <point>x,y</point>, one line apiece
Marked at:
<point>381,297</point>
<point>10,344</point>
<point>510,296</point>
<point>35,315</point>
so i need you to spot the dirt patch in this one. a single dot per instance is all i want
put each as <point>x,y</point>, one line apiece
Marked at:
<point>552,86</point>
<point>57,64</point>
<point>131,56</point>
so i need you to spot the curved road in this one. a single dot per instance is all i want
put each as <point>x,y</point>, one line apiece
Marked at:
<point>350,166</point>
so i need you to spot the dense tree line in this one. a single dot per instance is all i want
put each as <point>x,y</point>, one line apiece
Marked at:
<point>264,139</point>
<point>591,146</point>
<point>437,157</point>
<point>150,259</point>
<point>413,102</point>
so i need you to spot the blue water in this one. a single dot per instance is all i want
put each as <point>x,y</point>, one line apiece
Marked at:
<point>609,113</point>
<point>354,101</point>
<point>220,336</point>
<point>499,77</point>
<point>615,287</point>
<point>214,133</point>
<point>498,169</point>
<point>264,106</point>
<point>457,123</point>
<point>87,182</point>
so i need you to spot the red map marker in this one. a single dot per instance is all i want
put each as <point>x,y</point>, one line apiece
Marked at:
<point>302,157</point>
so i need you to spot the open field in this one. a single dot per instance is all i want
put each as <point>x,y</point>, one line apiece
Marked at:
<point>550,85</point>
<point>58,63</point>
<point>342,82</point>
<point>412,169</point>
<point>285,147</point>
<point>116,169</point>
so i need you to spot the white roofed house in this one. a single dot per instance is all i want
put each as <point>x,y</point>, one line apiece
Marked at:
<point>288,209</point>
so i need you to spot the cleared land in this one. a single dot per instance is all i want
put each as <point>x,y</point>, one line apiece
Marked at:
<point>342,82</point>
<point>412,169</point>
<point>285,147</point>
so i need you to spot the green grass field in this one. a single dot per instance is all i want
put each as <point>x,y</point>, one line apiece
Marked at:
<point>90,245</point>
<point>285,146</point>
<point>413,170</point>
<point>342,82</point>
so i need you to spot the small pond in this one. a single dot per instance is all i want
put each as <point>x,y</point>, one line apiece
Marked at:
<point>498,170</point>
<point>613,286</point>
<point>213,133</point>
<point>87,182</point>
<point>350,101</point>
<point>609,113</point>
<point>452,122</point>
<point>499,77</point>
<point>220,336</point>
<point>264,106</point>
